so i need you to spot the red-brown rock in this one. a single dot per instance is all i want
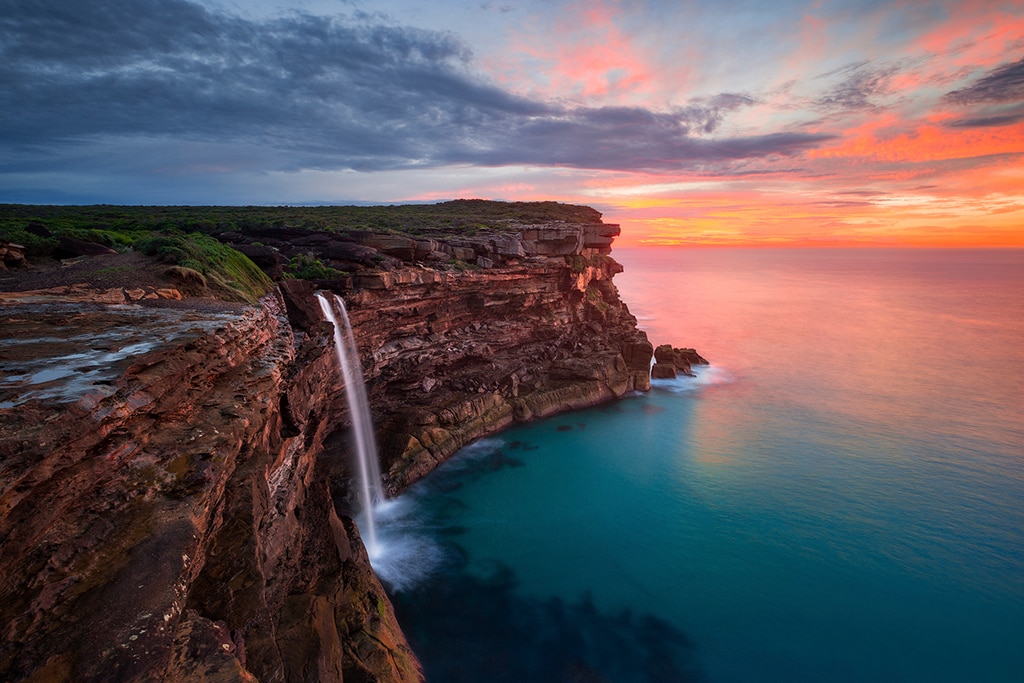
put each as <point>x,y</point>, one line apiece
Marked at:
<point>174,522</point>
<point>663,371</point>
<point>171,516</point>
<point>682,359</point>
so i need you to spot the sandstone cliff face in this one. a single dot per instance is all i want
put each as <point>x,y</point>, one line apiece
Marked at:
<point>174,522</point>
<point>451,355</point>
<point>173,517</point>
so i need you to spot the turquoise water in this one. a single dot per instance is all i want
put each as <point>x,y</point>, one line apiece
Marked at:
<point>839,497</point>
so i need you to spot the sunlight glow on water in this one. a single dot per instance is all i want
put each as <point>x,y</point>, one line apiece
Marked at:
<point>836,498</point>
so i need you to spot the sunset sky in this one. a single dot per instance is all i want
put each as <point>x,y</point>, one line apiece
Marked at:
<point>767,123</point>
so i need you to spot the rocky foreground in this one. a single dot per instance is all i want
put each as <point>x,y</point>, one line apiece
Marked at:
<point>172,466</point>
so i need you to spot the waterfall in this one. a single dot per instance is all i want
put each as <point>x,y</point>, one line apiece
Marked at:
<point>359,408</point>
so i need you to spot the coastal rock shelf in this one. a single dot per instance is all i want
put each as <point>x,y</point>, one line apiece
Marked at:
<point>174,523</point>
<point>183,511</point>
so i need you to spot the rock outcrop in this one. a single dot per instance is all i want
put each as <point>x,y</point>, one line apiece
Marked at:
<point>172,520</point>
<point>670,361</point>
<point>173,491</point>
<point>12,255</point>
<point>453,354</point>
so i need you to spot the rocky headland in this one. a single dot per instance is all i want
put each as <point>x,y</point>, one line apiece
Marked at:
<point>175,498</point>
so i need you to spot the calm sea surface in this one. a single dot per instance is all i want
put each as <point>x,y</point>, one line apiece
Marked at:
<point>839,497</point>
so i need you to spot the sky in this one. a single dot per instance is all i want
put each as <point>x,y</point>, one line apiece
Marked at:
<point>784,123</point>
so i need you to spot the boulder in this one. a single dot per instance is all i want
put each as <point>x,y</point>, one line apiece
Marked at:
<point>663,371</point>
<point>663,354</point>
<point>38,229</point>
<point>12,255</point>
<point>691,356</point>
<point>402,248</point>
<point>69,247</point>
<point>425,248</point>
<point>682,359</point>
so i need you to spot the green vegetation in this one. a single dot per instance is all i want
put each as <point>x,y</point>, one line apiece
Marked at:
<point>185,236</point>
<point>218,263</point>
<point>119,226</point>
<point>461,266</point>
<point>308,267</point>
<point>594,298</point>
<point>578,263</point>
<point>34,244</point>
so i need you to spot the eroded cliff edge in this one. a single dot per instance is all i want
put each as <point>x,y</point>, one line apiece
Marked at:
<point>172,518</point>
<point>453,355</point>
<point>174,522</point>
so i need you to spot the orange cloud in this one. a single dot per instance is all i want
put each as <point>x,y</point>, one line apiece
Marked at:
<point>903,169</point>
<point>887,139</point>
<point>977,34</point>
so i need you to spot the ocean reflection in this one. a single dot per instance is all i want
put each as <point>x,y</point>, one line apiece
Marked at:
<point>836,498</point>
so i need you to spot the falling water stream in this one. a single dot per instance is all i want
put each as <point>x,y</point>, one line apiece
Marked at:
<point>359,407</point>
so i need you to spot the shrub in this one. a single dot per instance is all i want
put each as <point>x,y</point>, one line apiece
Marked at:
<point>34,244</point>
<point>309,267</point>
<point>223,266</point>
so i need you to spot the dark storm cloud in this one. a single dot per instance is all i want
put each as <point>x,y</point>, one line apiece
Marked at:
<point>993,121</point>
<point>705,115</point>
<point>326,93</point>
<point>997,98</point>
<point>633,138</point>
<point>1003,84</point>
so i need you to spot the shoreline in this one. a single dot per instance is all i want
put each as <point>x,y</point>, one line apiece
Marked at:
<point>207,468</point>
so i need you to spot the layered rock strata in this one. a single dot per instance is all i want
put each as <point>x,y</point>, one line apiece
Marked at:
<point>453,354</point>
<point>172,521</point>
<point>670,362</point>
<point>173,517</point>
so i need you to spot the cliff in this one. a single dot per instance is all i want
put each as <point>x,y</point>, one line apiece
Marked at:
<point>173,466</point>
<point>452,355</point>
<point>173,520</point>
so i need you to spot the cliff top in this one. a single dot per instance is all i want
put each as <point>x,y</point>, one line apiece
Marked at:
<point>120,225</point>
<point>234,252</point>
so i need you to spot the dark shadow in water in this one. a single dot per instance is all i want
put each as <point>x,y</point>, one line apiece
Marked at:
<point>471,630</point>
<point>563,428</point>
<point>472,469</point>
<point>650,409</point>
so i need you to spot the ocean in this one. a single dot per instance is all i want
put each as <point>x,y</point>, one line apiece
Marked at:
<point>838,497</point>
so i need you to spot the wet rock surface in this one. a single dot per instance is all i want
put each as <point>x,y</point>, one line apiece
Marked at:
<point>670,361</point>
<point>170,518</point>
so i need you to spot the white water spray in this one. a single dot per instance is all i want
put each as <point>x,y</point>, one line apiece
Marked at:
<point>359,408</point>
